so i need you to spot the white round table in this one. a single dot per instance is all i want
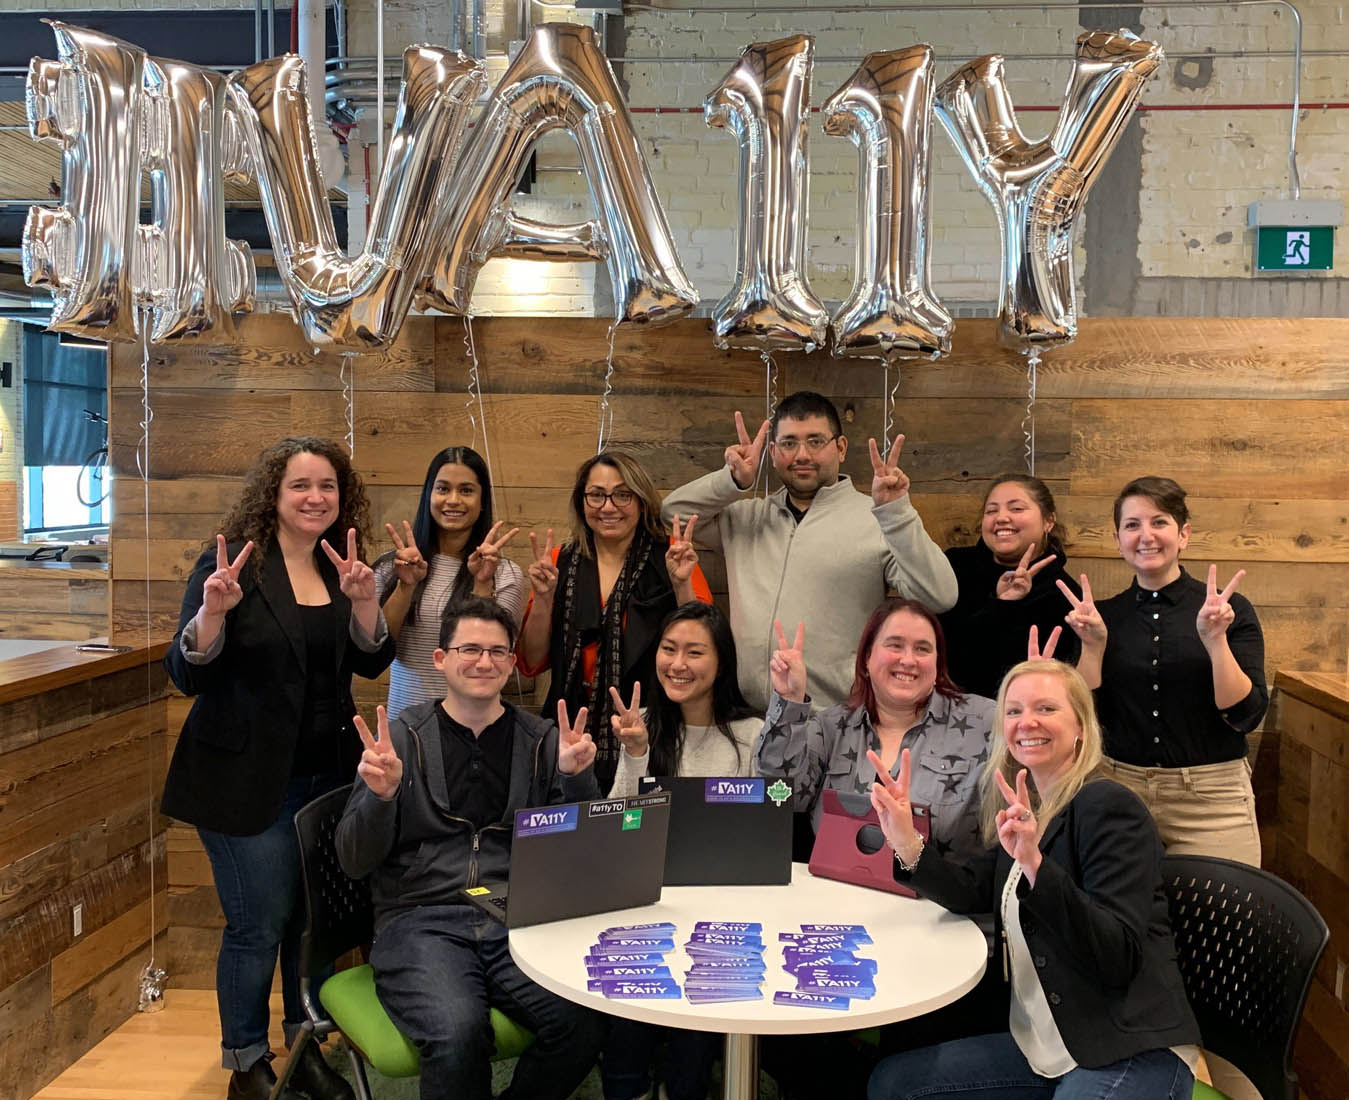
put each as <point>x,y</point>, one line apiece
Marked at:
<point>925,958</point>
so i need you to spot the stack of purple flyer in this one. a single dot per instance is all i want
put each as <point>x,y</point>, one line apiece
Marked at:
<point>727,962</point>
<point>628,961</point>
<point>823,960</point>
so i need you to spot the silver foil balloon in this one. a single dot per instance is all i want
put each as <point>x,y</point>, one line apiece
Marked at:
<point>88,103</point>
<point>764,101</point>
<point>562,80</point>
<point>885,108</point>
<point>361,302</point>
<point>1037,188</point>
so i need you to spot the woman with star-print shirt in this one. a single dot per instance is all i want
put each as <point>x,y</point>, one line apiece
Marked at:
<point>901,698</point>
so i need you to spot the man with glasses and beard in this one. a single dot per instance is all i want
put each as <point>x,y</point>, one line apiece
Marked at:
<point>816,551</point>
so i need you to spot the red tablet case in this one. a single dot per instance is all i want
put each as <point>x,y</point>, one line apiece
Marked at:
<point>838,855</point>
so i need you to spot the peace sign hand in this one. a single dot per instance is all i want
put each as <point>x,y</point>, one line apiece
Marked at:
<point>1015,584</point>
<point>575,749</point>
<point>1017,828</point>
<point>408,564</point>
<point>787,666</point>
<point>890,800</point>
<point>221,592</point>
<point>483,562</point>
<point>1084,619</point>
<point>888,481</point>
<point>627,722</point>
<point>1216,614</point>
<point>743,456</point>
<point>681,557</point>
<point>1033,650</point>
<point>542,570</point>
<point>379,767</point>
<point>356,579</point>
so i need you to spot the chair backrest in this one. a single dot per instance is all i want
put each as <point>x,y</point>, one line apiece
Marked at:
<point>340,913</point>
<point>1248,945</point>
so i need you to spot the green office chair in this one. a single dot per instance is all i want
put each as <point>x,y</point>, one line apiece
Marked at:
<point>340,919</point>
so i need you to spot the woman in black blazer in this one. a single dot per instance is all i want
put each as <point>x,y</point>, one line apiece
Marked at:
<point>1074,881</point>
<point>270,634</point>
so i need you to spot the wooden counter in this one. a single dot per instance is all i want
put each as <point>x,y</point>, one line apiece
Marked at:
<point>81,766</point>
<point>1305,812</point>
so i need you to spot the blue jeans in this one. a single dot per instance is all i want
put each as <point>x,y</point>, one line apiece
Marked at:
<point>260,887</point>
<point>438,969</point>
<point>631,1047</point>
<point>991,1067</point>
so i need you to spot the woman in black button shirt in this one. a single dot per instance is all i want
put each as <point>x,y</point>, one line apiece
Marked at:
<point>1179,671</point>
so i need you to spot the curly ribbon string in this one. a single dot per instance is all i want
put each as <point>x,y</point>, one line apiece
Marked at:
<point>770,400</point>
<point>606,432</point>
<point>348,377</point>
<point>890,399</point>
<point>1028,421</point>
<point>151,982</point>
<point>473,405</point>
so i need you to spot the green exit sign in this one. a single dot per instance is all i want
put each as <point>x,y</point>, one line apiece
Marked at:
<point>1295,248</point>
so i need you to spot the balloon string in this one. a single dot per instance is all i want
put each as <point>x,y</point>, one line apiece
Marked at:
<point>1028,421</point>
<point>479,418</point>
<point>348,377</point>
<point>770,396</point>
<point>890,397</point>
<point>606,432</point>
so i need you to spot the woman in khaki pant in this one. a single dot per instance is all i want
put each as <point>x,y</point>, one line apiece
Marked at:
<point>1178,669</point>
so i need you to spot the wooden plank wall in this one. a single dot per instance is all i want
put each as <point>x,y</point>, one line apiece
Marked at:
<point>56,600</point>
<point>81,766</point>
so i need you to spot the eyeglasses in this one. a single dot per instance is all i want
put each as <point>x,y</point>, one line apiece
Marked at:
<point>471,653</point>
<point>813,444</point>
<point>621,498</point>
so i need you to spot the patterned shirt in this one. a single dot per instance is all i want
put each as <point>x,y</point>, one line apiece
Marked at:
<point>828,750</point>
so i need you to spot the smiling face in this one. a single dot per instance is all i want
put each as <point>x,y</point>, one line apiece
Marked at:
<point>1013,521</point>
<point>686,662</point>
<point>308,498</point>
<point>902,664</point>
<point>456,499</point>
<point>479,680</point>
<point>610,521</point>
<point>807,455</point>
<point>1040,727</point>
<point>1151,541</point>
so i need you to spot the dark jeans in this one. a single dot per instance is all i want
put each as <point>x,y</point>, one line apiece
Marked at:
<point>991,1067</point>
<point>631,1048</point>
<point>438,969</point>
<point>258,880</point>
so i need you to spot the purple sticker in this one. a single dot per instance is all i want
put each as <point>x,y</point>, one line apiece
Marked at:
<point>637,988</point>
<point>810,1000</point>
<point>649,971</point>
<point>625,944</point>
<point>714,965</point>
<point>620,929</point>
<point>723,993</point>
<point>722,951</point>
<point>733,790</point>
<point>794,959</point>
<point>856,931</point>
<point>631,959</point>
<point>847,981</point>
<point>728,926</point>
<point>818,943</point>
<point>547,819</point>
<point>739,939</point>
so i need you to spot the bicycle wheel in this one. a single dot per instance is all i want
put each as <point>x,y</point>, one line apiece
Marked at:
<point>92,483</point>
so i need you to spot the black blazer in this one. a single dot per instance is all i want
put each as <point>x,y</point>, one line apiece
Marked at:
<point>1096,924</point>
<point>233,760</point>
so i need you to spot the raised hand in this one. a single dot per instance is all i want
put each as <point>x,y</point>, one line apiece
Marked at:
<point>890,800</point>
<point>379,767</point>
<point>483,562</point>
<point>575,749</point>
<point>787,666</point>
<point>1015,583</point>
<point>221,592</point>
<point>1084,619</point>
<point>1216,615</point>
<point>542,570</point>
<point>888,481</point>
<point>743,456</point>
<point>1017,828</point>
<point>1033,650</point>
<point>356,579</point>
<point>408,564</point>
<point>681,557</point>
<point>627,722</point>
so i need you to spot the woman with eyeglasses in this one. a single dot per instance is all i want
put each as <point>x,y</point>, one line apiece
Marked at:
<point>597,601</point>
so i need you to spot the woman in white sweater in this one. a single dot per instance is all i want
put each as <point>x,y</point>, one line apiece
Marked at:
<point>697,722</point>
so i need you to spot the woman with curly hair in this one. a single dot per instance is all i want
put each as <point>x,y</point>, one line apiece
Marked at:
<point>274,623</point>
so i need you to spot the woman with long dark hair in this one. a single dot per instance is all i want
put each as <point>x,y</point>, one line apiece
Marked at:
<point>450,551</point>
<point>597,601</point>
<point>274,623</point>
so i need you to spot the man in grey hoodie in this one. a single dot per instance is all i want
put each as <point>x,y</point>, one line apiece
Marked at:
<point>816,551</point>
<point>432,813</point>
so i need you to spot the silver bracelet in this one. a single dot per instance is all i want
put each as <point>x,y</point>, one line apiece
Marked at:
<point>909,867</point>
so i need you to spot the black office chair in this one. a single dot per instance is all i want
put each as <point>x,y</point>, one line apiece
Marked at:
<point>1248,945</point>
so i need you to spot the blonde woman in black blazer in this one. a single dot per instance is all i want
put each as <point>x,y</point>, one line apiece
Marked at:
<point>275,621</point>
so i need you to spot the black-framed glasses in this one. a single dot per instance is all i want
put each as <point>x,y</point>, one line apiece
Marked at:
<point>621,498</point>
<point>471,653</point>
<point>813,444</point>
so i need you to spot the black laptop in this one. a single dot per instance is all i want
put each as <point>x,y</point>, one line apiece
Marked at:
<point>727,830</point>
<point>580,858</point>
